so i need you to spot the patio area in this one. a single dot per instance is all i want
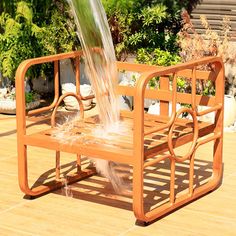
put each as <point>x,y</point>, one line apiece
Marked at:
<point>91,207</point>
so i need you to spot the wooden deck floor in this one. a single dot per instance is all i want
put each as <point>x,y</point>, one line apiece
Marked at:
<point>92,208</point>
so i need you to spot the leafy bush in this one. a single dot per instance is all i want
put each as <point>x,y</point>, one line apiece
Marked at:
<point>31,97</point>
<point>31,29</point>
<point>157,57</point>
<point>147,28</point>
<point>146,24</point>
<point>18,40</point>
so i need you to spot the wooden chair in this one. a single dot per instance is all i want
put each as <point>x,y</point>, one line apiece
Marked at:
<point>154,138</point>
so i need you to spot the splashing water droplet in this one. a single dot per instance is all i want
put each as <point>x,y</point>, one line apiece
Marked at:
<point>67,188</point>
<point>99,56</point>
<point>100,68</point>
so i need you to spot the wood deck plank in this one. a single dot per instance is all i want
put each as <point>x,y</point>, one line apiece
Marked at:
<point>94,209</point>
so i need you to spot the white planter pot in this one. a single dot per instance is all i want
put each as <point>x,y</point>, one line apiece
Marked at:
<point>67,79</point>
<point>154,108</point>
<point>8,106</point>
<point>3,92</point>
<point>126,103</point>
<point>70,102</point>
<point>229,110</point>
<point>209,117</point>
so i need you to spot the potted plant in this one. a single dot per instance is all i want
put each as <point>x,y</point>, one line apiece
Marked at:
<point>8,100</point>
<point>29,30</point>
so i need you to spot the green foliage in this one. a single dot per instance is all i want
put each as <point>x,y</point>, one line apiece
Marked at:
<point>24,12</point>
<point>31,29</point>
<point>7,6</point>
<point>18,40</point>
<point>207,88</point>
<point>31,97</point>
<point>182,85</point>
<point>58,37</point>
<point>154,15</point>
<point>113,6</point>
<point>157,57</point>
<point>147,24</point>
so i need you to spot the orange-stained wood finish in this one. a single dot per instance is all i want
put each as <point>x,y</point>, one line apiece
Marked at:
<point>153,139</point>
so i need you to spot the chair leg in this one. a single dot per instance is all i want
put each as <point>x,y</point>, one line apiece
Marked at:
<point>48,186</point>
<point>58,167</point>
<point>78,163</point>
<point>23,169</point>
<point>217,159</point>
<point>174,202</point>
<point>138,187</point>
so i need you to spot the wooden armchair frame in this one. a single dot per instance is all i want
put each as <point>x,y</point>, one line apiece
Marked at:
<point>146,127</point>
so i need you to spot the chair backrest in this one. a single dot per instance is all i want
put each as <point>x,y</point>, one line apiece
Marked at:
<point>195,83</point>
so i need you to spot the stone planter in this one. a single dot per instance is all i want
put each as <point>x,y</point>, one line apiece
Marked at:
<point>230,110</point>
<point>70,102</point>
<point>8,106</point>
<point>67,80</point>
<point>154,108</point>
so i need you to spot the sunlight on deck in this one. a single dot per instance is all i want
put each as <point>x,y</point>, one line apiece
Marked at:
<point>93,208</point>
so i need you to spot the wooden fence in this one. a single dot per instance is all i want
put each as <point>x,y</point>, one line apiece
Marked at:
<point>215,10</point>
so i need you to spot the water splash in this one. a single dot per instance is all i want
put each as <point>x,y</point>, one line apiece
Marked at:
<point>67,190</point>
<point>106,168</point>
<point>99,56</point>
<point>100,69</point>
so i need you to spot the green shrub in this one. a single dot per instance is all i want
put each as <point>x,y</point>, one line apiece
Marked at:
<point>31,97</point>
<point>148,24</point>
<point>31,29</point>
<point>157,57</point>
